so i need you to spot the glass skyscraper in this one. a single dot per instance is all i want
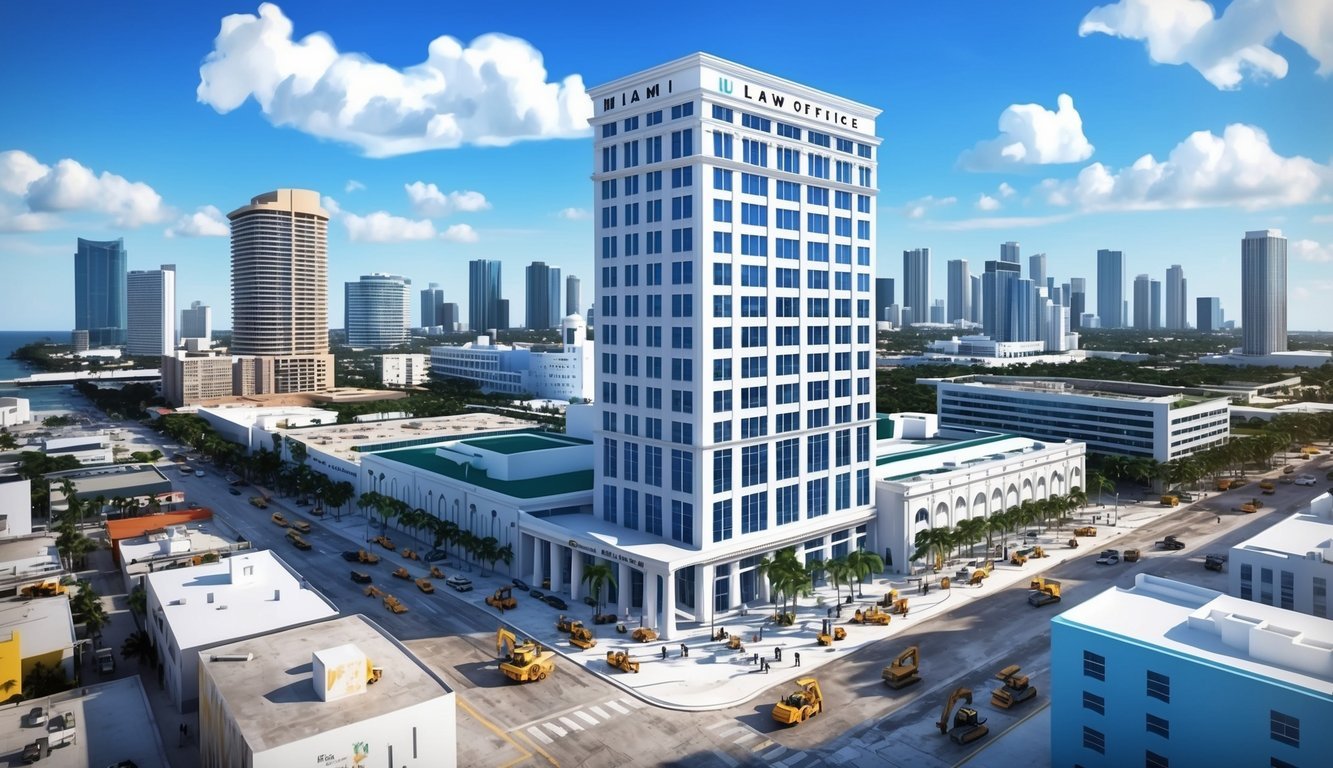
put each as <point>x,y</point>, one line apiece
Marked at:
<point>377,308</point>
<point>483,306</point>
<point>1111,288</point>
<point>916,285</point>
<point>542,310</point>
<point>100,269</point>
<point>1263,292</point>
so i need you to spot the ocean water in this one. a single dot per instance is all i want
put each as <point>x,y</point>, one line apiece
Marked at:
<point>55,398</point>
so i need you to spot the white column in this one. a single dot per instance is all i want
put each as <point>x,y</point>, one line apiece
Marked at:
<point>575,575</point>
<point>734,585</point>
<point>703,592</point>
<point>668,605</point>
<point>538,552</point>
<point>624,583</point>
<point>557,566</point>
<point>650,598</point>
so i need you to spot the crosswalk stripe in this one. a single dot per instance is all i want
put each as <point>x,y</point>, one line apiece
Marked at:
<point>570,724</point>
<point>726,759</point>
<point>774,753</point>
<point>589,719</point>
<point>633,702</point>
<point>617,707</point>
<point>555,729</point>
<point>744,737</point>
<point>540,735</point>
<point>734,730</point>
<point>600,713</point>
<point>719,724</point>
<point>761,746</point>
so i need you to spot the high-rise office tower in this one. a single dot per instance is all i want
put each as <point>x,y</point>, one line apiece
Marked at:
<point>1078,301</point>
<point>1037,269</point>
<point>960,291</point>
<point>770,444</point>
<point>502,315</point>
<point>542,310</point>
<point>974,309</point>
<point>1177,301</point>
<point>151,300</point>
<point>937,311</point>
<point>196,321</point>
<point>1000,303</point>
<point>916,285</point>
<point>1142,302</point>
<point>449,316</point>
<point>279,293</point>
<point>432,306</point>
<point>572,300</point>
<point>1156,288</point>
<point>378,309</point>
<point>1263,292</point>
<point>99,291</point>
<point>883,298</point>
<point>1111,288</point>
<point>483,295</point>
<point>1208,314</point>
<point>1009,252</point>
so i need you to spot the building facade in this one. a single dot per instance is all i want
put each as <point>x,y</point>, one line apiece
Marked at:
<point>573,299</point>
<point>1177,299</point>
<point>378,311</point>
<point>1078,301</point>
<point>883,298</point>
<point>1263,292</point>
<point>100,268</point>
<point>484,303</point>
<point>566,374</point>
<point>191,376</point>
<point>279,288</point>
<point>1011,252</point>
<point>1037,268</point>
<point>410,370</point>
<point>1110,288</point>
<point>1142,303</point>
<point>432,306</point>
<point>196,321</point>
<point>151,311</point>
<point>1208,314</point>
<point>916,285</point>
<point>960,292</point>
<point>1288,564</point>
<point>543,296</point>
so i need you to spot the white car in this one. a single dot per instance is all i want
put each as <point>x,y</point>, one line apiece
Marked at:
<point>459,583</point>
<point>198,473</point>
<point>1109,557</point>
<point>1304,480</point>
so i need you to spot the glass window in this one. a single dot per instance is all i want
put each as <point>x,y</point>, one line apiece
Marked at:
<point>1284,728</point>
<point>722,113</point>
<point>682,110</point>
<point>721,520</point>
<point>1159,686</point>
<point>1094,739</point>
<point>1153,760</point>
<point>1158,725</point>
<point>1094,665</point>
<point>722,179</point>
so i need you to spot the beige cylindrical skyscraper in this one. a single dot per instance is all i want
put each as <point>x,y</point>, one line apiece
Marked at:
<point>279,284</point>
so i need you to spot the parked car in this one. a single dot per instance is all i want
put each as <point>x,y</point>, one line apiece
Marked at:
<point>351,557</point>
<point>1170,542</point>
<point>1305,480</point>
<point>521,585</point>
<point>556,603</point>
<point>537,594</point>
<point>1109,557</point>
<point>459,583</point>
<point>199,473</point>
<point>233,492</point>
<point>435,555</point>
<point>361,577</point>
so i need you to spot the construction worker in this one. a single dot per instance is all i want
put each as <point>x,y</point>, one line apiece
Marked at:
<point>664,652</point>
<point>797,656</point>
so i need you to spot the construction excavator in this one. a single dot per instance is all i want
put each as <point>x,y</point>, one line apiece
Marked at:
<point>829,633</point>
<point>523,662</point>
<point>800,706</point>
<point>1044,591</point>
<point>581,637</point>
<point>644,635</point>
<point>966,726</point>
<point>1016,689</point>
<point>903,671</point>
<point>620,660</point>
<point>503,599</point>
<point>872,615</point>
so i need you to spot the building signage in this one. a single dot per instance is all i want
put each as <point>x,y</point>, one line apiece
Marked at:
<point>796,106</point>
<point>636,95</point>
<point>605,553</point>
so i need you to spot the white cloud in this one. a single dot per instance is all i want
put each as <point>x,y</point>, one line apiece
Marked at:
<point>460,233</point>
<point>917,209</point>
<point>1205,170</point>
<point>331,205</point>
<point>1005,190</point>
<point>207,221</point>
<point>69,187</point>
<point>987,203</point>
<point>493,92</point>
<point>1225,49</point>
<point>1310,250</point>
<point>574,214</point>
<point>353,186</point>
<point>382,227</point>
<point>1030,134</point>
<point>428,200</point>
<point>18,170</point>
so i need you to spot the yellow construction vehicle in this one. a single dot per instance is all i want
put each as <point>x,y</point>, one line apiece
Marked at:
<point>1016,688</point>
<point>48,588</point>
<point>975,579</point>
<point>503,599</point>
<point>523,662</point>
<point>1037,552</point>
<point>1267,486</point>
<point>385,541</point>
<point>373,673</point>
<point>829,633</point>
<point>409,554</point>
<point>1224,484</point>
<point>1250,508</point>
<point>1170,500</point>
<point>644,635</point>
<point>402,573</point>
<point>887,600</point>
<point>394,604</point>
<point>620,660</point>
<point>581,637</point>
<point>296,539</point>
<point>369,558</point>
<point>279,519</point>
<point>734,643</point>
<point>566,624</point>
<point>301,525</point>
<point>966,726</point>
<point>425,585</point>
<point>903,671</point>
<point>373,591</point>
<point>1018,558</point>
<point>1044,592</point>
<point>872,615</point>
<point>1086,530</point>
<point>899,606</point>
<point>436,573</point>
<point>801,705</point>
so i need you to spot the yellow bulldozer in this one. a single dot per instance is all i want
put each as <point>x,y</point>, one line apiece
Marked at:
<point>801,705</point>
<point>566,624</point>
<point>503,599</point>
<point>829,633</point>
<point>1016,688</point>
<point>977,577</point>
<point>402,573</point>
<point>522,662</point>
<point>369,558</point>
<point>644,635</point>
<point>1044,591</point>
<point>48,588</point>
<point>903,671</point>
<point>425,585</point>
<point>872,615</point>
<point>966,726</point>
<point>620,660</point>
<point>394,604</point>
<point>581,637</point>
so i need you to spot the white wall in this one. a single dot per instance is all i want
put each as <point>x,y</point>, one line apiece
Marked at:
<point>431,726</point>
<point>16,508</point>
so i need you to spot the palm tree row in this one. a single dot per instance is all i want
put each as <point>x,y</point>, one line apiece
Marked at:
<point>479,549</point>
<point>789,579</point>
<point>935,544</point>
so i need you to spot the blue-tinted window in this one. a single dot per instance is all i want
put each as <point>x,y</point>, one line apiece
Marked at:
<point>682,110</point>
<point>754,512</point>
<point>608,130</point>
<point>721,520</point>
<point>653,118</point>
<point>682,521</point>
<point>722,113</point>
<point>755,122</point>
<point>652,513</point>
<point>789,131</point>
<point>722,179</point>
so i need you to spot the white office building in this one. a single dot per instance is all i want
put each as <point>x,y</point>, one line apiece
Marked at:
<point>1289,564</point>
<point>1166,673</point>
<point>193,609</point>
<point>409,370</point>
<point>1115,417</point>
<point>14,411</point>
<point>151,309</point>
<point>566,374</point>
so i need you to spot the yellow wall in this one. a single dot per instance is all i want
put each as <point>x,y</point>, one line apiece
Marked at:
<point>11,667</point>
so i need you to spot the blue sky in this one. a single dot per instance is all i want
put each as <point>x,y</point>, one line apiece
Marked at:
<point>109,134</point>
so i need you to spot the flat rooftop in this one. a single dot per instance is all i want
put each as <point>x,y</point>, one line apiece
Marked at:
<point>528,488</point>
<point>200,537</point>
<point>250,608</point>
<point>126,480</point>
<point>1211,628</point>
<point>273,701</point>
<point>351,441</point>
<point>44,624</point>
<point>1055,385</point>
<point>112,722</point>
<point>1307,531</point>
<point>514,444</point>
<point>905,460</point>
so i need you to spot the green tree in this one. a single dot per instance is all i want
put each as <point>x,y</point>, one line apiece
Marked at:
<point>863,564</point>
<point>138,646</point>
<point>596,576</point>
<point>7,441</point>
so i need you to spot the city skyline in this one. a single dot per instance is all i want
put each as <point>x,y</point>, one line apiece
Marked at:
<point>1060,177</point>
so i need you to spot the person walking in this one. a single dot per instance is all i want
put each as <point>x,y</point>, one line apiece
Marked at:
<point>797,656</point>
<point>755,658</point>
<point>684,651</point>
<point>664,652</point>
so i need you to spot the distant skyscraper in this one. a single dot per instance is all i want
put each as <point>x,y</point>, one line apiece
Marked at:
<point>1110,288</point>
<point>1208,315</point>
<point>1078,301</point>
<point>151,298</point>
<point>1177,303</point>
<point>449,316</point>
<point>279,292</point>
<point>543,296</point>
<point>196,321</point>
<point>378,311</point>
<point>974,310</point>
<point>960,292</point>
<point>1009,252</point>
<point>1155,319</point>
<point>99,291</point>
<point>1263,292</point>
<point>483,310</point>
<point>916,285</point>
<point>432,304</point>
<point>502,315</point>
<point>1037,268</point>
<point>937,311</point>
<point>572,301</point>
<point>1000,303</point>
<point>883,298</point>
<point>1142,302</point>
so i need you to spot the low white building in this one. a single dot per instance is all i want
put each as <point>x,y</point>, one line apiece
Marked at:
<point>1305,358</point>
<point>301,697</point>
<point>254,426</point>
<point>1289,564</point>
<point>15,508</point>
<point>406,370</point>
<point>37,631</point>
<point>193,609</point>
<point>563,375</point>
<point>14,411</point>
<point>94,448</point>
<point>96,724</point>
<point>174,546</point>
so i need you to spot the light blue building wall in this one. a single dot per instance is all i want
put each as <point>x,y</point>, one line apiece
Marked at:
<point>1169,674</point>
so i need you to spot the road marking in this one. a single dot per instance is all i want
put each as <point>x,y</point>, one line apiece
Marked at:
<point>540,735</point>
<point>765,744</point>
<point>635,703</point>
<point>725,759</point>
<point>600,713</point>
<point>774,753</point>
<point>719,724</point>
<point>570,724</point>
<point>744,737</point>
<point>527,753</point>
<point>589,719</point>
<point>732,732</point>
<point>555,729</point>
<point>617,707</point>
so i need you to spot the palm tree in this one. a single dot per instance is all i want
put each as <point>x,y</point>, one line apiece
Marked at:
<point>505,555</point>
<point>970,531</point>
<point>338,495</point>
<point>139,647</point>
<point>863,564</point>
<point>935,543</point>
<point>839,573</point>
<point>596,576</point>
<point>488,551</point>
<point>1099,484</point>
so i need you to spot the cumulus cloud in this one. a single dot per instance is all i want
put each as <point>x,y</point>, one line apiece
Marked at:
<point>491,92</point>
<point>383,227</point>
<point>1311,250</point>
<point>1237,168</point>
<point>207,221</point>
<point>428,200</point>
<point>574,214</point>
<point>353,186</point>
<point>987,203</point>
<point>1005,190</point>
<point>1226,49</point>
<point>69,187</point>
<point>917,209</point>
<point>460,233</point>
<point>1030,134</point>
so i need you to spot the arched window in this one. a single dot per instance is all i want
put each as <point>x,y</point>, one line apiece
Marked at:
<point>922,516</point>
